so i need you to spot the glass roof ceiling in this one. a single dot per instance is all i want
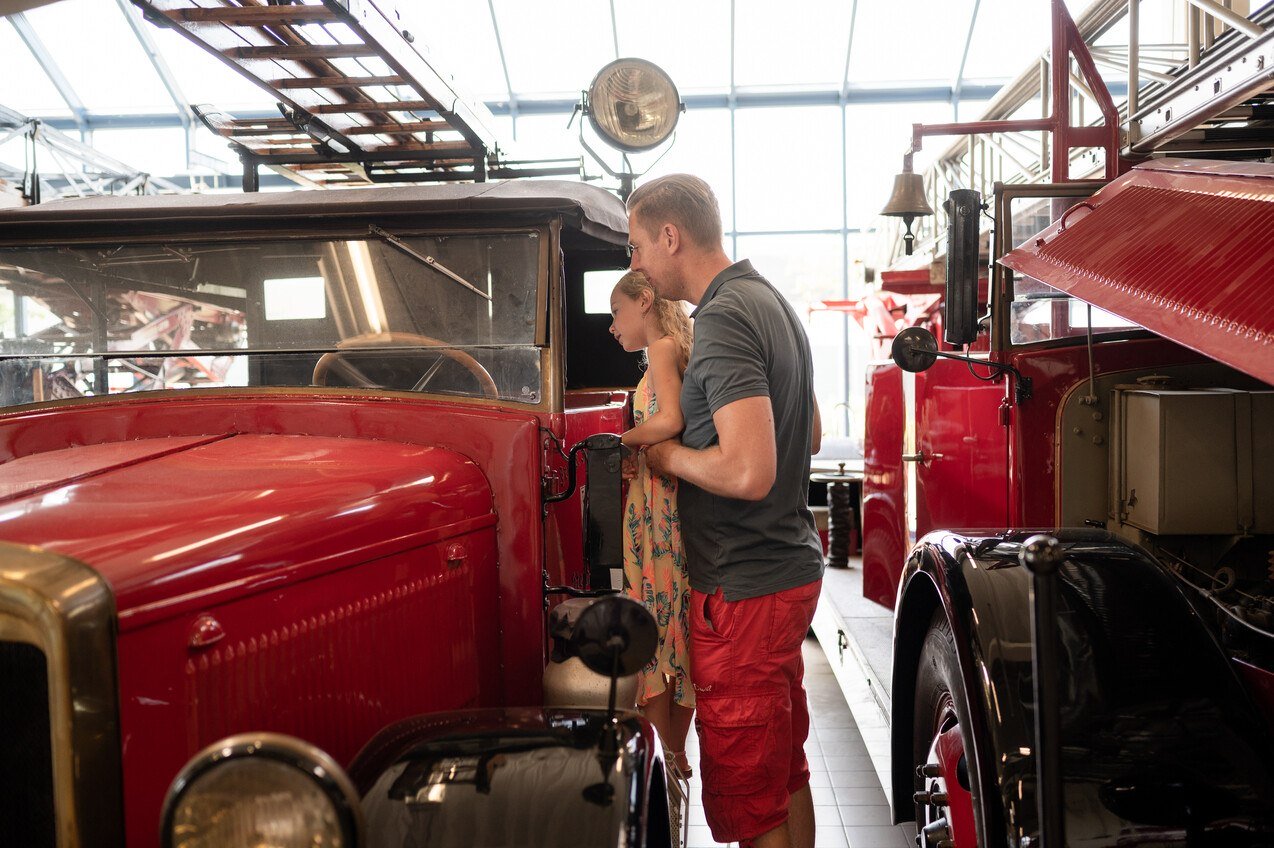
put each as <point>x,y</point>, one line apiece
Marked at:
<point>495,48</point>
<point>80,64</point>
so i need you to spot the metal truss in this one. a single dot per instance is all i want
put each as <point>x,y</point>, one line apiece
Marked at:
<point>60,166</point>
<point>1211,93</point>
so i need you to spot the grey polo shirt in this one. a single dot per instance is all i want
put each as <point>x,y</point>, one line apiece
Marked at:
<point>749,342</point>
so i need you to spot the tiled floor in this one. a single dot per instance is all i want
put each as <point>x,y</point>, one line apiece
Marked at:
<point>850,810</point>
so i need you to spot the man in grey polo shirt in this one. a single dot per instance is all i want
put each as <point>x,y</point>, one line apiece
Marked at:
<point>754,557</point>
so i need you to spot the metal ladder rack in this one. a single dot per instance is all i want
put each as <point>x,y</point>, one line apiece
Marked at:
<point>358,102</point>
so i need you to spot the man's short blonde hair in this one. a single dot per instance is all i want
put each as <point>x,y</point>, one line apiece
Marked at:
<point>683,200</point>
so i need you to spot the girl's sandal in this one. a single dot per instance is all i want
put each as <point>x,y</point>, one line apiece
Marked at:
<point>682,762</point>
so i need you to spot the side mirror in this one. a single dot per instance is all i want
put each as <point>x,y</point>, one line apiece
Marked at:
<point>963,208</point>
<point>914,349</point>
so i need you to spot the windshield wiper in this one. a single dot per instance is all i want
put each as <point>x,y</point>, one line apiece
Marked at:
<point>395,241</point>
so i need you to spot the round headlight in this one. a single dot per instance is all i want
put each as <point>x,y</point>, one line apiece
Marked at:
<point>633,104</point>
<point>261,790</point>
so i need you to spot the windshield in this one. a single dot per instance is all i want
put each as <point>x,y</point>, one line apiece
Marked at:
<point>450,314</point>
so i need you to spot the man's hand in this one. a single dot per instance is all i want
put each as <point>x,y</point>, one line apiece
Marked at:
<point>659,455</point>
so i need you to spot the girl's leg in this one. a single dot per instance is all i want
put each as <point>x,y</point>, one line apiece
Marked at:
<point>656,712</point>
<point>678,729</point>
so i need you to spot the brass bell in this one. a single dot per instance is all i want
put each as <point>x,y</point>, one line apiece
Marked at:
<point>908,202</point>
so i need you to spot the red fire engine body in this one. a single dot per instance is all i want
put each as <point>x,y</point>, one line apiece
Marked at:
<point>355,524</point>
<point>1126,395</point>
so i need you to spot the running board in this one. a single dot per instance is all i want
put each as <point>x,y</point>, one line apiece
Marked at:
<point>867,697</point>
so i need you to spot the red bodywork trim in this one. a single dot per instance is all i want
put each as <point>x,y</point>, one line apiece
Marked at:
<point>1181,248</point>
<point>1261,684</point>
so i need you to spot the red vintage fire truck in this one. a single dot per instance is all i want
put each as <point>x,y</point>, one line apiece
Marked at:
<point>298,464</point>
<point>1066,502</point>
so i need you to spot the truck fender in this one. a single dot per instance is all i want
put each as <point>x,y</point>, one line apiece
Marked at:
<point>1160,738</point>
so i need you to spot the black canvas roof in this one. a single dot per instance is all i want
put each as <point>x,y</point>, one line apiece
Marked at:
<point>591,209</point>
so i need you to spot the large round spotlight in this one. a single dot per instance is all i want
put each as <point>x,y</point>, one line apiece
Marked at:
<point>633,104</point>
<point>261,790</point>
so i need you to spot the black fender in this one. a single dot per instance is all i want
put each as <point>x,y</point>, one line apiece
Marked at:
<point>545,777</point>
<point>1160,739</point>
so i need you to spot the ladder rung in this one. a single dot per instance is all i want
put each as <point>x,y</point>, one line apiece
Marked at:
<point>334,82</point>
<point>254,15</point>
<point>245,132</point>
<point>302,51</point>
<point>346,108</point>
<point>441,148</point>
<point>413,127</point>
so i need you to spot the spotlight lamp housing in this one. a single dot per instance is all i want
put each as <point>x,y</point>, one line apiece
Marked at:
<point>633,105</point>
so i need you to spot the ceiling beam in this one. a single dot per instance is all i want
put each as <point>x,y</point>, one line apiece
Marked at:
<point>849,45</point>
<point>134,17</point>
<point>504,66</point>
<point>958,84</point>
<point>41,53</point>
<point>744,99</point>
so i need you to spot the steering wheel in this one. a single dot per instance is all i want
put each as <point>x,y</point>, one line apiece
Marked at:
<point>335,361</point>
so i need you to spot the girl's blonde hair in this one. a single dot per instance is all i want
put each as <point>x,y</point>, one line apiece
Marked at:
<point>670,316</point>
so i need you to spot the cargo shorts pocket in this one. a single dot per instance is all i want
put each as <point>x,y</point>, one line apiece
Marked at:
<point>736,742</point>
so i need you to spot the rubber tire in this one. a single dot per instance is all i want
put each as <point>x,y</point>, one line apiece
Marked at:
<point>938,674</point>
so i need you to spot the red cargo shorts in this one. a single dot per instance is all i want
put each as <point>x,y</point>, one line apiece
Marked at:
<point>751,712</point>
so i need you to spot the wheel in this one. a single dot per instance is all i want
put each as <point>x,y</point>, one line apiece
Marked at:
<point>940,737</point>
<point>335,361</point>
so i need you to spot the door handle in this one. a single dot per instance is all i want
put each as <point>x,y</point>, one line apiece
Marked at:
<point>921,457</point>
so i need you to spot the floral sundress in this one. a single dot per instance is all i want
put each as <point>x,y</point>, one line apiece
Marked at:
<point>655,568</point>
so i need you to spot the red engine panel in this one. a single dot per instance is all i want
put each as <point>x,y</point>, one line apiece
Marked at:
<point>315,566</point>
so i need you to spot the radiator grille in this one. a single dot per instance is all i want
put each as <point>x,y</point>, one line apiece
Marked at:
<point>26,756</point>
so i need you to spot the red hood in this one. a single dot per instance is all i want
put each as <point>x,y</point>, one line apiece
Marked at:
<point>168,521</point>
<point>1183,248</point>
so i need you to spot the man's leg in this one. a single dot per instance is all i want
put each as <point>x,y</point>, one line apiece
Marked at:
<point>800,818</point>
<point>753,717</point>
<point>796,609</point>
<point>742,716</point>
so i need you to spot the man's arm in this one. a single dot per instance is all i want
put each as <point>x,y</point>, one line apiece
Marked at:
<point>741,465</point>
<point>816,441</point>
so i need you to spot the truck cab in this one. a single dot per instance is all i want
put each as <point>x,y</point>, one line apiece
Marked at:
<point>291,464</point>
<point>1120,406</point>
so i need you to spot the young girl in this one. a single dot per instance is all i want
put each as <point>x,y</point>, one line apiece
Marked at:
<point>654,560</point>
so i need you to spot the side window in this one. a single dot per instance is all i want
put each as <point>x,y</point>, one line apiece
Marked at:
<point>593,359</point>
<point>1038,312</point>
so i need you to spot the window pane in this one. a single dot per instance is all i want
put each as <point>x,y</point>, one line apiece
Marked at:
<point>877,136</point>
<point>597,288</point>
<point>807,48</point>
<point>790,166</point>
<point>161,152</point>
<point>695,52</point>
<point>807,269</point>
<point>555,48</point>
<point>917,40</point>
<point>702,148</point>
<point>24,86</point>
<point>75,32</point>
<point>461,39</point>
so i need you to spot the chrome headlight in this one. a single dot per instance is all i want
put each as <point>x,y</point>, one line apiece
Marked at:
<point>633,104</point>
<point>261,790</point>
